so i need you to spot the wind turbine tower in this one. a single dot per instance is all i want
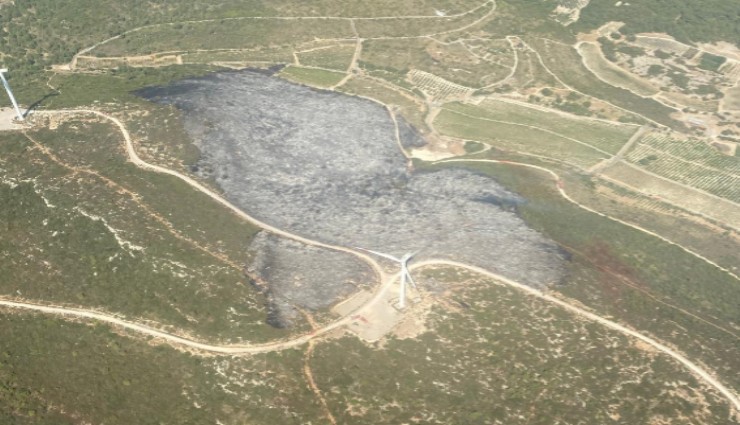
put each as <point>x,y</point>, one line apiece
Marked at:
<point>10,94</point>
<point>405,273</point>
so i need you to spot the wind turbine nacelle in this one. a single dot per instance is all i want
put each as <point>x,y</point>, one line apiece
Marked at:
<point>3,70</point>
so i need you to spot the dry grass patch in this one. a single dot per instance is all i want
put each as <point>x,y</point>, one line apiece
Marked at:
<point>311,76</point>
<point>612,74</point>
<point>515,137</point>
<point>332,56</point>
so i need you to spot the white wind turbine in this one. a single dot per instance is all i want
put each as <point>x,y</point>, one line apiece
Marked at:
<point>10,94</point>
<point>405,274</point>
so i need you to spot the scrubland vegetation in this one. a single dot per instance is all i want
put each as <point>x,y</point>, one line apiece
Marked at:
<point>81,226</point>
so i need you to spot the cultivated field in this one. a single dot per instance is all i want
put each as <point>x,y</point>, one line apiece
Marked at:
<point>90,62</point>
<point>690,162</point>
<point>324,55</point>
<point>438,89</point>
<point>685,197</point>
<point>515,137</point>
<point>452,61</point>
<point>528,129</point>
<point>264,55</point>
<point>664,44</point>
<point>731,100</point>
<point>604,135</point>
<point>404,101</point>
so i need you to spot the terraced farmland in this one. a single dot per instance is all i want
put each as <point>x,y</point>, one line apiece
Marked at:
<point>675,193</point>
<point>453,61</point>
<point>565,62</point>
<point>690,162</point>
<point>438,88</point>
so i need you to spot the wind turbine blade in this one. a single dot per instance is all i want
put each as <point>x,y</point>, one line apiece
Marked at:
<point>380,254</point>
<point>411,280</point>
<point>406,258</point>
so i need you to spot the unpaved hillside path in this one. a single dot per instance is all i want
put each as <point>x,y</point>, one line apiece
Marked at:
<point>696,370</point>
<point>136,160</point>
<point>596,169</point>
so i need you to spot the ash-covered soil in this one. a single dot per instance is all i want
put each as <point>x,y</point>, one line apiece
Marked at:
<point>304,276</point>
<point>327,166</point>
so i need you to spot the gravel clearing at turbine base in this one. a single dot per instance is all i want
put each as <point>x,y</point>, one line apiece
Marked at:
<point>327,166</point>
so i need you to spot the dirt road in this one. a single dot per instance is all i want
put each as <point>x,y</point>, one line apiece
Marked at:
<point>136,160</point>
<point>700,373</point>
<point>696,370</point>
<point>385,282</point>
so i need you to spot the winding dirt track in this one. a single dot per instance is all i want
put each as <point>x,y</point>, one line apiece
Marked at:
<point>385,280</point>
<point>136,160</point>
<point>696,370</point>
